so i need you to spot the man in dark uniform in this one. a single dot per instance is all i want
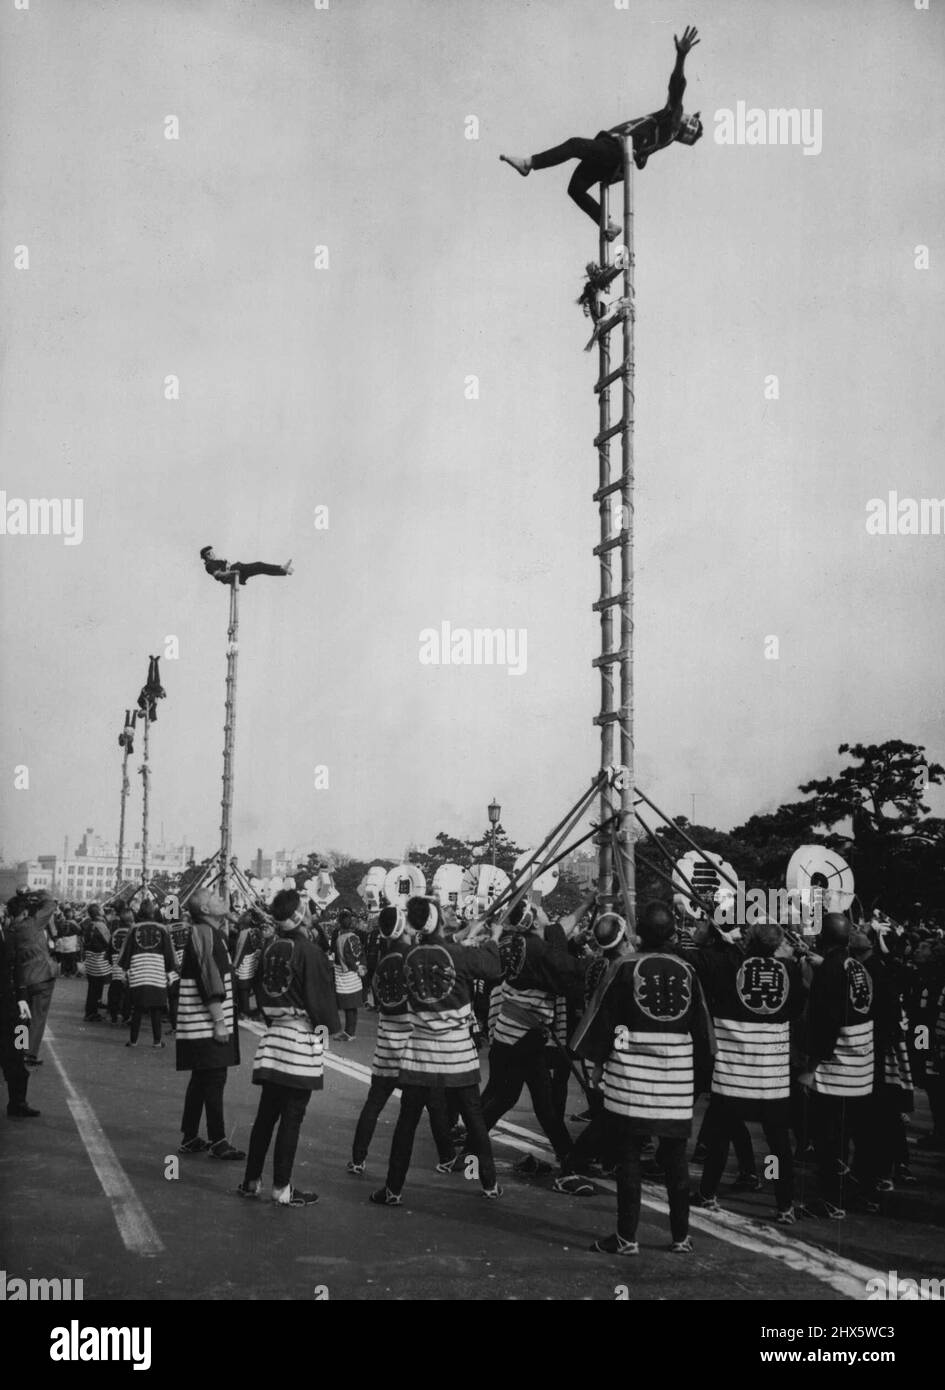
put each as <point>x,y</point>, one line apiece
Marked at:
<point>600,159</point>
<point>14,1014</point>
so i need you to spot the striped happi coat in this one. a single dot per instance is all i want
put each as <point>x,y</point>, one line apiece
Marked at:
<point>205,975</point>
<point>536,974</point>
<point>295,990</point>
<point>842,1010</point>
<point>247,953</point>
<point>98,950</point>
<point>648,1028</point>
<point>753,1001</point>
<point>147,959</point>
<point>394,1024</point>
<point>438,974</point>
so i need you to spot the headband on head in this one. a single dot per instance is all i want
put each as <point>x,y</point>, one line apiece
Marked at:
<point>618,936</point>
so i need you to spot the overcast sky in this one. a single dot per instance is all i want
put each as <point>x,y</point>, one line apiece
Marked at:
<point>343,387</point>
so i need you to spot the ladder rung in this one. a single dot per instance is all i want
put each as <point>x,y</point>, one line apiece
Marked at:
<point>611,658</point>
<point>605,381</point>
<point>607,716</point>
<point>607,489</point>
<point>613,321</point>
<point>611,602</point>
<point>608,434</point>
<point>609,545</point>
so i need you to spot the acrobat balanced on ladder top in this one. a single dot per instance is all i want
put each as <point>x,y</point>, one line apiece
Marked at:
<point>614,497</point>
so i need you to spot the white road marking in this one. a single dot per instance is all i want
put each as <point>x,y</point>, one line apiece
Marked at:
<point>134,1224</point>
<point>846,1277</point>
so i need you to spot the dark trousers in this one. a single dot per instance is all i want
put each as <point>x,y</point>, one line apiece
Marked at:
<point>778,1138</point>
<point>173,1002</point>
<point>833,1121</point>
<point>594,1143</point>
<point>413,1099</point>
<point>249,571</point>
<point>559,1073</point>
<point>600,162</point>
<point>512,1066</point>
<point>204,1092</point>
<point>628,1149</point>
<point>93,995</point>
<point>119,1001</point>
<point>935,1090</point>
<point>137,1013</point>
<point>283,1106</point>
<point>715,1120</point>
<point>39,998</point>
<point>380,1092</point>
<point>351,1021</point>
<point>244,989</point>
<point>15,1071</point>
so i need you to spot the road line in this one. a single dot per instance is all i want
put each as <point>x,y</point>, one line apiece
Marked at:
<point>134,1224</point>
<point>847,1277</point>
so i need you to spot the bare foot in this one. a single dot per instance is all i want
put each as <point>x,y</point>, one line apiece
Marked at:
<point>524,166</point>
<point>288,566</point>
<point>613,231</point>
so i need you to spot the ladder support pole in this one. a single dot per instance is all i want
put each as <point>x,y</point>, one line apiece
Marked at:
<point>145,804</point>
<point>121,820</point>
<point>605,868</point>
<point>625,837</point>
<point>229,735</point>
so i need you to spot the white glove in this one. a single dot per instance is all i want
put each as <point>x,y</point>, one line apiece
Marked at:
<point>24,1009</point>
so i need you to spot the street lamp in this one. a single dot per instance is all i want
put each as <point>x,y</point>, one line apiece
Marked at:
<point>495,811</point>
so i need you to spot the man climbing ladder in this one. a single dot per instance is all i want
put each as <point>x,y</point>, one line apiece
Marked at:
<point>600,159</point>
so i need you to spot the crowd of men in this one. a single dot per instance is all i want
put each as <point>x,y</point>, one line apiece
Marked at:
<point>820,1041</point>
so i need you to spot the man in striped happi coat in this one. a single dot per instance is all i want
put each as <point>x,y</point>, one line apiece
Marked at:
<point>753,1000</point>
<point>147,960</point>
<point>646,1035</point>
<point>119,999</point>
<point>347,952</point>
<point>208,1040</point>
<point>880,1137</point>
<point>839,1073</point>
<point>440,1052</point>
<point>98,964</point>
<point>295,990</point>
<point>246,955</point>
<point>535,975</point>
<point>393,1030</point>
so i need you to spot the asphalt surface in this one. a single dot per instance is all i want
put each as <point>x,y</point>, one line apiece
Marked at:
<point>146,1234</point>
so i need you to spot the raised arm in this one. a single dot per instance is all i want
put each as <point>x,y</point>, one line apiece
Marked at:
<point>677,81</point>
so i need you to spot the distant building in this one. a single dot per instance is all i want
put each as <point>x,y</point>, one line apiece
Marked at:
<point>29,873</point>
<point>91,873</point>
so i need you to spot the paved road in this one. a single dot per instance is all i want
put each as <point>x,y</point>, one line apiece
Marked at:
<point>85,1195</point>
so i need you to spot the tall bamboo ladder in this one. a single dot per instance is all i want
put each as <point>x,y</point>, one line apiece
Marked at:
<point>229,733</point>
<point>615,604</point>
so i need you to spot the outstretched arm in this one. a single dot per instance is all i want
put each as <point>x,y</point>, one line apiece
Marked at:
<point>677,81</point>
